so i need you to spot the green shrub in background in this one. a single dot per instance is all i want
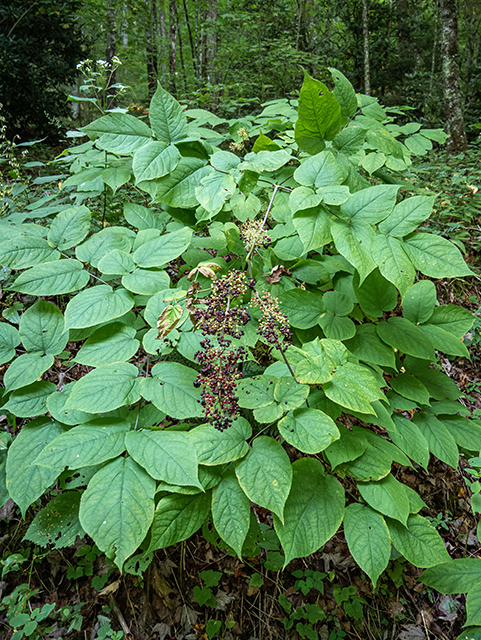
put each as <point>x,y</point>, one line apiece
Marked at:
<point>265,307</point>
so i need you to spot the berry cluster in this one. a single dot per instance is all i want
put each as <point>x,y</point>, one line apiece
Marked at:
<point>220,363</point>
<point>218,379</point>
<point>219,317</point>
<point>273,324</point>
<point>254,235</point>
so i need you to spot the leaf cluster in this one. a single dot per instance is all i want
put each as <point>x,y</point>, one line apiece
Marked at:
<point>356,395</point>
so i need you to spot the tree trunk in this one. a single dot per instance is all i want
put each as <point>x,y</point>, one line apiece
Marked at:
<point>110,52</point>
<point>173,45</point>
<point>163,39</point>
<point>365,34</point>
<point>191,40</point>
<point>453,104</point>
<point>211,41</point>
<point>151,45</point>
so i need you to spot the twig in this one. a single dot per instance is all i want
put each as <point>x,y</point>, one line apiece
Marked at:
<point>121,618</point>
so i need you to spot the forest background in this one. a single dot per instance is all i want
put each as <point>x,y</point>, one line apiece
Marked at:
<point>230,56</point>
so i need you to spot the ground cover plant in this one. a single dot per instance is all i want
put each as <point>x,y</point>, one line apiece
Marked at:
<point>263,330</point>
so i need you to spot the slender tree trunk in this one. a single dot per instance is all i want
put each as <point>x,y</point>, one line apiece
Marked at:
<point>172,45</point>
<point>365,34</point>
<point>181,53</point>
<point>191,40</point>
<point>435,44</point>
<point>453,103</point>
<point>163,39</point>
<point>151,45</point>
<point>212,40</point>
<point>110,52</point>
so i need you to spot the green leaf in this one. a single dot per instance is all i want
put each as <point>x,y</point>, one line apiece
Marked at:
<point>165,455</point>
<point>393,262</point>
<point>56,406</point>
<point>69,227</point>
<point>178,517</point>
<point>349,446</point>
<point>419,302</point>
<point>85,445</point>
<point>386,496</point>
<point>167,118</point>
<point>313,511</point>
<point>116,263</point>
<point>371,465</point>
<point>9,339</point>
<point>403,335</point>
<point>354,241</point>
<point>213,191</point>
<point>350,140</point>
<point>348,393</point>
<point>265,474</point>
<point>455,576</point>
<point>302,198</point>
<point>367,346</point>
<point>24,252</point>
<point>162,250</point>
<point>220,447</point>
<point>440,442</point>
<point>105,389</point>
<point>410,439</point>
<point>452,318</point>
<point>302,308</point>
<point>52,278</point>
<point>95,305</point>
<point>26,369</point>
<point>154,160</point>
<point>146,282</point>
<point>101,243</point>
<point>30,401</point>
<point>321,170</point>
<point>57,524</point>
<point>368,539</point>
<point>345,94</point>
<point>171,389</point>
<point>410,387</point>
<point>473,605</point>
<point>372,162</point>
<point>313,226</point>
<point>41,329</point>
<point>268,160</point>
<point>309,430</point>
<point>117,175</point>
<point>466,433</point>
<point>375,295</point>
<point>25,480</point>
<point>419,542</point>
<point>142,218</point>
<point>114,342</point>
<point>371,205</point>
<point>319,111</point>
<point>418,144</point>
<point>178,188</point>
<point>119,133</point>
<point>407,216</point>
<point>435,256</point>
<point>231,512</point>
<point>118,519</point>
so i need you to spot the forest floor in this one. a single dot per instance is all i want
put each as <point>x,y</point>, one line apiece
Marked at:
<point>197,591</point>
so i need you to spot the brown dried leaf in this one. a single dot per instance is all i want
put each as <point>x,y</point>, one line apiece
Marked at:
<point>275,274</point>
<point>110,588</point>
<point>168,320</point>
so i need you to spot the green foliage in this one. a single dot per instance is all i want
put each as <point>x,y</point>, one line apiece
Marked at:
<point>300,272</point>
<point>39,48</point>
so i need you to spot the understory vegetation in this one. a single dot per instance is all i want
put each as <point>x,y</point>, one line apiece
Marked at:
<point>240,367</point>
